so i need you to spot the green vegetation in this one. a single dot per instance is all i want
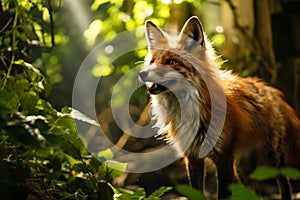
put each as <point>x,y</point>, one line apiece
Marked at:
<point>42,156</point>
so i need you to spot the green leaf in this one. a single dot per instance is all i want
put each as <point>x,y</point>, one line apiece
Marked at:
<point>189,192</point>
<point>71,160</point>
<point>239,191</point>
<point>107,154</point>
<point>265,172</point>
<point>158,193</point>
<point>28,66</point>
<point>162,190</point>
<point>9,103</point>
<point>115,190</point>
<point>111,169</point>
<point>21,85</point>
<point>116,165</point>
<point>98,3</point>
<point>66,110</point>
<point>140,192</point>
<point>28,102</point>
<point>290,172</point>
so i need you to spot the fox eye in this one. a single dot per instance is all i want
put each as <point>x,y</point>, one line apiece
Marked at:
<point>171,61</point>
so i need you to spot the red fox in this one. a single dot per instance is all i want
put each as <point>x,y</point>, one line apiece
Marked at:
<point>256,118</point>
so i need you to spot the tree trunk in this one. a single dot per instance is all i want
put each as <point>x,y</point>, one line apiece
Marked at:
<point>262,39</point>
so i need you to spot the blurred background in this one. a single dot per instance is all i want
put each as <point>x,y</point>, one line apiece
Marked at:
<point>257,38</point>
<point>44,42</point>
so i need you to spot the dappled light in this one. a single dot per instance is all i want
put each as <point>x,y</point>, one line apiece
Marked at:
<point>76,120</point>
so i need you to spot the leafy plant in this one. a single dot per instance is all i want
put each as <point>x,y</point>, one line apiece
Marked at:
<point>267,172</point>
<point>190,193</point>
<point>240,191</point>
<point>140,194</point>
<point>41,153</point>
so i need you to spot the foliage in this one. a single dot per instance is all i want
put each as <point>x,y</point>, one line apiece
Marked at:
<point>267,172</point>
<point>190,193</point>
<point>42,156</point>
<point>140,193</point>
<point>240,191</point>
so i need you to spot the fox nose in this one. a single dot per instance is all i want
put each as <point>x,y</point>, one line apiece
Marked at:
<point>143,75</point>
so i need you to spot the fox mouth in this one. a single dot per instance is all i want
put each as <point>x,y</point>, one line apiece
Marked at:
<point>157,88</point>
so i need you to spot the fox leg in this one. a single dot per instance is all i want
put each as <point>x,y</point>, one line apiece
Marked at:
<point>283,183</point>
<point>284,188</point>
<point>225,178</point>
<point>195,170</point>
<point>277,155</point>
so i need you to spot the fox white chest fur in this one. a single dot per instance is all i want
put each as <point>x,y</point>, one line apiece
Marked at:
<point>175,123</point>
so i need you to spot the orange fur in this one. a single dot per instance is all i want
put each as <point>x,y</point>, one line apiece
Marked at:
<point>257,117</point>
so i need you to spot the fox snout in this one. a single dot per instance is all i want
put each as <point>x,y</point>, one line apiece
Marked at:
<point>152,73</point>
<point>142,76</point>
<point>152,80</point>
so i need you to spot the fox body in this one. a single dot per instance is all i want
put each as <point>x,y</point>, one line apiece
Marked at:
<point>256,116</point>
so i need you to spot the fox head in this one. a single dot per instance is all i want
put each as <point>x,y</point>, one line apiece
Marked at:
<point>181,75</point>
<point>174,58</point>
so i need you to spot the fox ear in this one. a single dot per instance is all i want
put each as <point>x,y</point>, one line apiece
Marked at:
<point>192,34</point>
<point>154,35</point>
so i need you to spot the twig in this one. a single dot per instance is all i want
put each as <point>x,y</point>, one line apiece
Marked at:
<point>51,24</point>
<point>14,28</point>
